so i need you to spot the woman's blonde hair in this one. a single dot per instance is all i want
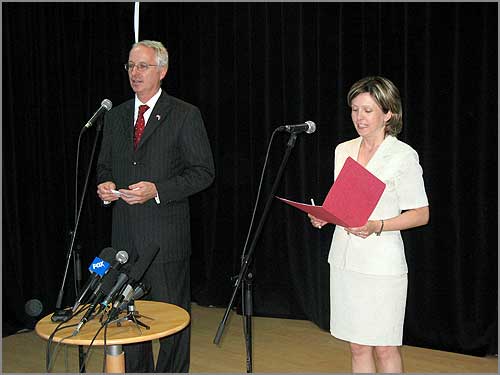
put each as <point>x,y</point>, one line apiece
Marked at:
<point>386,95</point>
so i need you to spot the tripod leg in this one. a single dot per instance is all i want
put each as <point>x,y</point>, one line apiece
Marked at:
<point>143,316</point>
<point>247,308</point>
<point>132,318</point>
<point>137,321</point>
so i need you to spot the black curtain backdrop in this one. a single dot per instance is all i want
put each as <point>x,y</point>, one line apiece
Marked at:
<point>251,67</point>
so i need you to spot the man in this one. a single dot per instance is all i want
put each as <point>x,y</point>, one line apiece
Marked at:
<point>155,172</point>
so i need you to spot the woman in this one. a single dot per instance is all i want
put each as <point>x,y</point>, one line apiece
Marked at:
<point>368,271</point>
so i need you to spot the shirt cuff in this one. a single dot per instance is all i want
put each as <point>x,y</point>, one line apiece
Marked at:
<point>157,199</point>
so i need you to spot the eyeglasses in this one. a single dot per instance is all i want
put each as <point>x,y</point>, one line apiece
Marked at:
<point>141,67</point>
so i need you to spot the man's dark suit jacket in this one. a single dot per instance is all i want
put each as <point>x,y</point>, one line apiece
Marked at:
<point>174,153</point>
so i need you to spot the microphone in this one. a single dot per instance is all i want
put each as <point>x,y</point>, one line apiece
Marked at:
<point>130,294</point>
<point>105,106</point>
<point>98,268</point>
<point>140,291</point>
<point>101,290</point>
<point>144,261</point>
<point>120,259</point>
<point>104,287</point>
<point>308,127</point>
<point>137,272</point>
<point>120,282</point>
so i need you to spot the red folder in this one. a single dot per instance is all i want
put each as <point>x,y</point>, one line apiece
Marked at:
<point>351,199</point>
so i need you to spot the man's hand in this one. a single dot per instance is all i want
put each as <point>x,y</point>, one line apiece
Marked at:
<point>139,193</point>
<point>104,191</point>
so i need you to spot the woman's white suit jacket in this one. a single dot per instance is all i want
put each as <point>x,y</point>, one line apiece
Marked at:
<point>397,165</point>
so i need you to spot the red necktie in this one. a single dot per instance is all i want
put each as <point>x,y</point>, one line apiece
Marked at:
<point>140,124</point>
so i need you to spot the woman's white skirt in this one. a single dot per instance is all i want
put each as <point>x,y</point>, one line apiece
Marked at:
<point>367,309</point>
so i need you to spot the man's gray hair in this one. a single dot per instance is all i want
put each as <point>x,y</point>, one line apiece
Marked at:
<point>160,50</point>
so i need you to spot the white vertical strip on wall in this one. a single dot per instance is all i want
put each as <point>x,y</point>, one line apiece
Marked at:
<point>136,21</point>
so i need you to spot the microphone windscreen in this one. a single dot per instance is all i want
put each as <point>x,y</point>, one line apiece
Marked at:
<point>108,254</point>
<point>144,261</point>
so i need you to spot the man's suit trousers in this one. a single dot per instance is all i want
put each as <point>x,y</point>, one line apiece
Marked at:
<point>170,282</point>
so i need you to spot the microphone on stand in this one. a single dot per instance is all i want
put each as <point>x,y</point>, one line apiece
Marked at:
<point>129,294</point>
<point>105,106</point>
<point>308,127</point>
<point>137,271</point>
<point>120,282</point>
<point>139,291</point>
<point>110,277</point>
<point>64,314</point>
<point>104,287</point>
<point>132,294</point>
<point>98,268</point>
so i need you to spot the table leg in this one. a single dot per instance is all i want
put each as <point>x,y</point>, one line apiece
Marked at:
<point>115,359</point>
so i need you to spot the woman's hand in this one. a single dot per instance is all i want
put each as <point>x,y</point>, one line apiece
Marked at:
<point>316,223</point>
<point>369,228</point>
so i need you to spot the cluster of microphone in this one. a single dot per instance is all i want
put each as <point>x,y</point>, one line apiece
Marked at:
<point>113,284</point>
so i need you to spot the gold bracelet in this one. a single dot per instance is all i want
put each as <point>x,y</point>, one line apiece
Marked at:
<point>381,227</point>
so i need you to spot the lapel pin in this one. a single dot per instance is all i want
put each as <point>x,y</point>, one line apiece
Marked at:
<point>158,117</point>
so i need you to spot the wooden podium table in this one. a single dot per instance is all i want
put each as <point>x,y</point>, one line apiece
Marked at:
<point>167,319</point>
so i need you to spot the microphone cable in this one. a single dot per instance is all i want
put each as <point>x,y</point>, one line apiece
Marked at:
<point>49,356</point>
<point>258,194</point>
<point>105,346</point>
<point>79,210</point>
<point>86,355</point>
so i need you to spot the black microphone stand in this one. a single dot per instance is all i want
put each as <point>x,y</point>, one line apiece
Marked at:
<point>61,314</point>
<point>245,278</point>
